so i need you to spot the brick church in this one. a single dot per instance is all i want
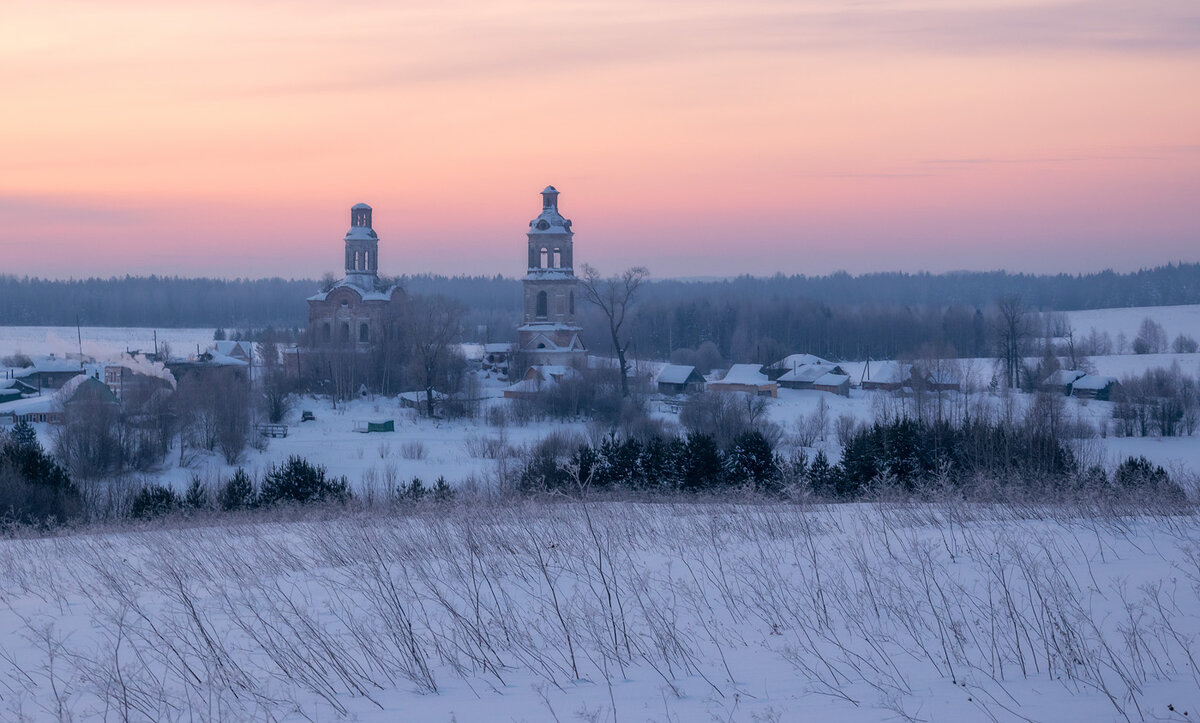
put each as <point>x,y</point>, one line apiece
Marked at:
<point>360,310</point>
<point>550,333</point>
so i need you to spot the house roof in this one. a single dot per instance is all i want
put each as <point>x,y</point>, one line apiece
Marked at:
<point>807,372</point>
<point>749,374</point>
<point>1094,382</point>
<point>798,360</point>
<point>55,364</point>
<point>831,380</point>
<point>14,382</point>
<point>675,374</point>
<point>884,372</point>
<point>229,348</point>
<point>31,405</point>
<point>1063,377</point>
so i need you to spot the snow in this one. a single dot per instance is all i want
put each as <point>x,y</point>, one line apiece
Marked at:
<point>798,360</point>
<point>604,611</point>
<point>31,405</point>
<point>881,372</point>
<point>1175,320</point>
<point>674,374</point>
<point>831,380</point>
<point>1093,382</point>
<point>100,342</point>
<point>749,374</point>
<point>806,373</point>
<point>366,294</point>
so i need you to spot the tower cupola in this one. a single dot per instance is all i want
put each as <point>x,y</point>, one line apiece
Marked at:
<point>362,249</point>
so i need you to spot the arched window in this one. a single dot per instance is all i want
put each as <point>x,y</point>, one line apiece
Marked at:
<point>325,332</point>
<point>572,303</point>
<point>541,305</point>
<point>345,335</point>
<point>545,259</point>
<point>364,334</point>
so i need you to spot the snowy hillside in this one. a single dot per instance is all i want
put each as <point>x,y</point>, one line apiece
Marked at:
<point>613,611</point>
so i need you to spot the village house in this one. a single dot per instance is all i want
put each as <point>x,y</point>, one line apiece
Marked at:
<point>496,359</point>
<point>15,388</point>
<point>78,391</point>
<point>883,375</point>
<point>1093,386</point>
<point>748,378</point>
<point>540,378</point>
<point>675,379</point>
<point>1062,380</point>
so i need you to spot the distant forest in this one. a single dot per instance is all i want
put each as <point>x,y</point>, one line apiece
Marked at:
<point>880,315</point>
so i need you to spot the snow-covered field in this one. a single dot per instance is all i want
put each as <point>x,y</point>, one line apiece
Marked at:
<point>1175,320</point>
<point>608,611</point>
<point>102,342</point>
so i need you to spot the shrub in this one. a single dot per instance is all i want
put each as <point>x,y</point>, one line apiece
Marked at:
<point>196,496</point>
<point>298,481</point>
<point>153,501</point>
<point>238,492</point>
<point>1140,477</point>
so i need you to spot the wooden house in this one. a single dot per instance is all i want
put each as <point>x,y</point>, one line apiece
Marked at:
<point>675,379</point>
<point>748,378</point>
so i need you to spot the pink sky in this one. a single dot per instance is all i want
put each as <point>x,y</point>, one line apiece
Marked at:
<point>691,136</point>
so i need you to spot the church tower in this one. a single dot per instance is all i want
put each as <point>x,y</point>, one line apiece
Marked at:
<point>550,334</point>
<point>362,249</point>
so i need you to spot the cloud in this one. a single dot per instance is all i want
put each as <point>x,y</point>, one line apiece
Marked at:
<point>54,210</point>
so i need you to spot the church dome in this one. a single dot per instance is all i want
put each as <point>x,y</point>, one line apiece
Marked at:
<point>550,221</point>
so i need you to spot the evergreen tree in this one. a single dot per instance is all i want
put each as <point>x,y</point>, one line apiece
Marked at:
<point>238,492</point>
<point>701,463</point>
<point>298,481</point>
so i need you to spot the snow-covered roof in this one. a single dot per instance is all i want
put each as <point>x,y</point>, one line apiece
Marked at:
<point>153,369</point>
<point>225,360</point>
<point>884,372</point>
<point>798,360</point>
<point>360,207</point>
<point>1094,382</point>
<point>32,405</point>
<point>14,382</point>
<point>229,348</point>
<point>498,348</point>
<point>418,396</point>
<point>55,364</point>
<point>364,294</point>
<point>831,380</point>
<point>554,371</point>
<point>541,274</point>
<point>1063,377</point>
<point>750,374</point>
<point>674,374</point>
<point>806,372</point>
<point>528,386</point>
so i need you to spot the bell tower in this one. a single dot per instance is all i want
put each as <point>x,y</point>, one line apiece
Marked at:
<point>550,333</point>
<point>362,249</point>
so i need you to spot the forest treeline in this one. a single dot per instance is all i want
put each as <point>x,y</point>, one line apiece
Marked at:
<point>881,315</point>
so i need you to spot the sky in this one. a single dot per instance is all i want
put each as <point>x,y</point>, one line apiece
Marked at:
<point>694,137</point>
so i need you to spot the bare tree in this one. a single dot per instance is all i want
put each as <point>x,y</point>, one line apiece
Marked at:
<point>614,295</point>
<point>1011,330</point>
<point>435,323</point>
